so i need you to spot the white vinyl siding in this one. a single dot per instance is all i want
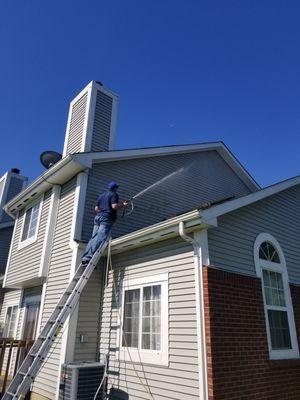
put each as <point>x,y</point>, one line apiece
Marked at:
<point>77,122</point>
<point>179,378</point>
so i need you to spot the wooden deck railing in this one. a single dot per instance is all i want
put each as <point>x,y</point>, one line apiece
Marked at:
<point>12,353</point>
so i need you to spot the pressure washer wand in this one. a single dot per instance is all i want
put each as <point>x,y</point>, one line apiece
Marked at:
<point>128,207</point>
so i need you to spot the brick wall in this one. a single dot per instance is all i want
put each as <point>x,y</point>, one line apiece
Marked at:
<point>237,350</point>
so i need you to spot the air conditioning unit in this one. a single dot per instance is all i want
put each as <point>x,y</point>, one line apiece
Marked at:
<point>80,381</point>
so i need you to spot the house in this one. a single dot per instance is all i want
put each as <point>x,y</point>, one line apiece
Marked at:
<point>11,183</point>
<point>200,298</point>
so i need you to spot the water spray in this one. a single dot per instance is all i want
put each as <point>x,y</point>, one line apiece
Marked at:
<point>129,204</point>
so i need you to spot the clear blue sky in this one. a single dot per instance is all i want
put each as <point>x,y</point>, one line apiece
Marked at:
<point>186,72</point>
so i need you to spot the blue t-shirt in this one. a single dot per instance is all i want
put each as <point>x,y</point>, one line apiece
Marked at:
<point>104,202</point>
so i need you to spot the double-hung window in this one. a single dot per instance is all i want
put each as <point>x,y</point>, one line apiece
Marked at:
<point>30,224</point>
<point>270,266</point>
<point>10,322</point>
<point>144,325</point>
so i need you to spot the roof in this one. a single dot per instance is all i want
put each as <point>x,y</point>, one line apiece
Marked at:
<point>70,165</point>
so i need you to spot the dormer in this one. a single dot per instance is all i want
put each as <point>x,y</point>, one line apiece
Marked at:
<point>91,120</point>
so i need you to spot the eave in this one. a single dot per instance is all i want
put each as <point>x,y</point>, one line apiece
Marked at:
<point>60,173</point>
<point>161,231</point>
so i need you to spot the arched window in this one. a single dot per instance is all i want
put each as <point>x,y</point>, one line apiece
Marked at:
<point>271,268</point>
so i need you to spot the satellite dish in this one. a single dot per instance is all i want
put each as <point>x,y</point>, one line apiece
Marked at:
<point>49,158</point>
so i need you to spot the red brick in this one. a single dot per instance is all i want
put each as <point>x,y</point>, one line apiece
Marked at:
<point>237,348</point>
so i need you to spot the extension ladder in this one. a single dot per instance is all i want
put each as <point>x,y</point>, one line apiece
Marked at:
<point>32,363</point>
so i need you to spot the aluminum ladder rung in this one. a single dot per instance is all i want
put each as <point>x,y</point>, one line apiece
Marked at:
<point>41,347</point>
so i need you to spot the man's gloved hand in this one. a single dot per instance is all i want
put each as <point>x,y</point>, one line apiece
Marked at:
<point>125,203</point>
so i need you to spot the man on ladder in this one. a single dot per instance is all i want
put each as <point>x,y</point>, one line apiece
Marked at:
<point>106,214</point>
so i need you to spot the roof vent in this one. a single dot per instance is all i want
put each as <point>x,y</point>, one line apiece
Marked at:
<point>15,170</point>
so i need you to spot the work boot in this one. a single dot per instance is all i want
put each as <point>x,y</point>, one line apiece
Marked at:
<point>85,261</point>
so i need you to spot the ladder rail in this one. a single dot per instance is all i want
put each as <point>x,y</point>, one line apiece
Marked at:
<point>36,356</point>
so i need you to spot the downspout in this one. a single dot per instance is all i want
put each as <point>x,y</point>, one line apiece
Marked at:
<point>202,364</point>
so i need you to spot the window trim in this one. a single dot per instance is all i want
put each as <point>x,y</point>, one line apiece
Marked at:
<point>281,268</point>
<point>32,239</point>
<point>11,305</point>
<point>142,355</point>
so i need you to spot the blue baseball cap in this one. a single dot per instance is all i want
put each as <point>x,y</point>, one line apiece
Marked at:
<point>112,185</point>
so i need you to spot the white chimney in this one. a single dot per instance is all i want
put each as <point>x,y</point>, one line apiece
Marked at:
<point>92,120</point>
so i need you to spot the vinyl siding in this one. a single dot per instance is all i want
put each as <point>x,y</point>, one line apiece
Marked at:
<point>15,187</point>
<point>231,243</point>
<point>102,122</point>
<point>88,318</point>
<point>58,278</point>
<point>25,263</point>
<point>5,239</point>
<point>205,177</point>
<point>179,379</point>
<point>76,125</point>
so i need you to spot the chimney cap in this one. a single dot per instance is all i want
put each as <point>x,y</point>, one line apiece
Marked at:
<point>15,170</point>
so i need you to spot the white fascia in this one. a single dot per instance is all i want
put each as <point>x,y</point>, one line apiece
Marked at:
<point>60,173</point>
<point>163,230</point>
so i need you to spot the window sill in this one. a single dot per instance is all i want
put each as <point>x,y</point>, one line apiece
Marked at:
<point>146,357</point>
<point>27,242</point>
<point>279,364</point>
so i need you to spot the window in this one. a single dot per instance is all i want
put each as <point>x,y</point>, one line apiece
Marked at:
<point>144,327</point>
<point>30,225</point>
<point>270,267</point>
<point>10,322</point>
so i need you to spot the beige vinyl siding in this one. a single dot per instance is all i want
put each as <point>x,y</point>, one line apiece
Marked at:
<point>5,239</point>
<point>231,243</point>
<point>102,122</point>
<point>200,177</point>
<point>58,278</point>
<point>88,318</point>
<point>25,263</point>
<point>76,125</point>
<point>178,380</point>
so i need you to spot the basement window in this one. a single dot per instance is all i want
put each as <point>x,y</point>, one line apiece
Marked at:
<point>31,220</point>
<point>144,325</point>
<point>280,324</point>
